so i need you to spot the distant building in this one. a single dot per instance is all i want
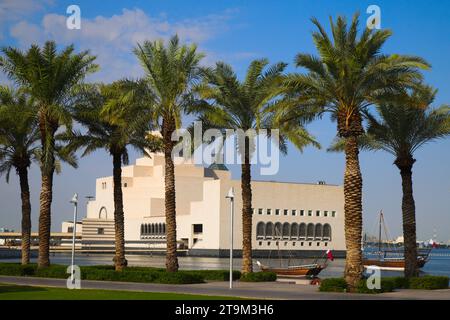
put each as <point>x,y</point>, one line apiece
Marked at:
<point>298,217</point>
<point>67,226</point>
<point>399,240</point>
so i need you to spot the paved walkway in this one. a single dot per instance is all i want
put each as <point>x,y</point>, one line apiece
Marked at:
<point>261,290</point>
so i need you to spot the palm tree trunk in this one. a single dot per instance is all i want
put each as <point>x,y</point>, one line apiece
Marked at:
<point>45,200</point>
<point>409,218</point>
<point>119,259</point>
<point>353,212</point>
<point>246,188</point>
<point>170,201</point>
<point>47,131</point>
<point>26,214</point>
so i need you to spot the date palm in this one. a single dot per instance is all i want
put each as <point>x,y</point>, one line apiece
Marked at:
<point>345,79</point>
<point>48,76</point>
<point>405,124</point>
<point>116,117</point>
<point>170,70</point>
<point>246,105</point>
<point>19,134</point>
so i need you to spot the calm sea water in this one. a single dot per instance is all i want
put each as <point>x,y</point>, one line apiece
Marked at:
<point>439,263</point>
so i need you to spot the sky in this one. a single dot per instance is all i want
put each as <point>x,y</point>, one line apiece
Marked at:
<point>238,32</point>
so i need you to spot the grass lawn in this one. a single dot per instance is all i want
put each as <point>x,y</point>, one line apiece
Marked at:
<point>14,292</point>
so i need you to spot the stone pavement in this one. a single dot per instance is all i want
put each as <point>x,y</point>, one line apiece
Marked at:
<point>257,290</point>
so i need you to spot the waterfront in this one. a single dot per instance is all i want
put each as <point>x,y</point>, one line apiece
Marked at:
<point>439,263</point>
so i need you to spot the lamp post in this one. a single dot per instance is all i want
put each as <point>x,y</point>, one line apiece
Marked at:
<point>230,196</point>
<point>74,229</point>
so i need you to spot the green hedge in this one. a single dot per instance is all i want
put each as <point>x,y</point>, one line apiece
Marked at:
<point>388,284</point>
<point>429,282</point>
<point>130,274</point>
<point>333,285</point>
<point>107,273</point>
<point>259,277</point>
<point>217,275</point>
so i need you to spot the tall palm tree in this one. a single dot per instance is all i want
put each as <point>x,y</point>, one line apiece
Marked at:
<point>170,71</point>
<point>231,104</point>
<point>405,124</point>
<point>18,136</point>
<point>116,117</point>
<point>344,80</point>
<point>48,76</point>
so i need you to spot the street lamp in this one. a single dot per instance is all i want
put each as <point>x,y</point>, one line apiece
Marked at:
<point>230,196</point>
<point>74,229</point>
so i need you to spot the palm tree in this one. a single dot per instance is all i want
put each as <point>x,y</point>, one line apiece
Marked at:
<point>170,71</point>
<point>248,105</point>
<point>406,123</point>
<point>18,136</point>
<point>48,76</point>
<point>346,77</point>
<point>116,117</point>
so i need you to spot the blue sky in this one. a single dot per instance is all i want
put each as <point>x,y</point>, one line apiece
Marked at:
<point>237,32</point>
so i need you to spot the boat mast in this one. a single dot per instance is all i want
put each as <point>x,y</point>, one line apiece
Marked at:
<point>379,232</point>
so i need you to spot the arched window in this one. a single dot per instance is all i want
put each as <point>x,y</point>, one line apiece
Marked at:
<point>103,214</point>
<point>310,231</point>
<point>294,230</point>
<point>142,229</point>
<point>260,228</point>
<point>286,230</point>
<point>302,231</point>
<point>269,230</point>
<point>164,228</point>
<point>326,234</point>
<point>318,231</point>
<point>160,229</point>
<point>278,230</point>
<point>152,229</point>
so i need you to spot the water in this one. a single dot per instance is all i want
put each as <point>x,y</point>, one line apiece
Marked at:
<point>439,263</point>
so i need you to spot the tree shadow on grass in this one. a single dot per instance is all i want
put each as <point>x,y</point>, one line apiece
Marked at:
<point>13,288</point>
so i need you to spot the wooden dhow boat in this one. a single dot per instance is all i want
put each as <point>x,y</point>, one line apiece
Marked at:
<point>310,270</point>
<point>389,259</point>
<point>306,270</point>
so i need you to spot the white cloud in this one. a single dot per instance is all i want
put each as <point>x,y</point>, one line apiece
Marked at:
<point>112,39</point>
<point>11,10</point>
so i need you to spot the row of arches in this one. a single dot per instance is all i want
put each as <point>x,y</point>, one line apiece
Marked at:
<point>150,229</point>
<point>287,230</point>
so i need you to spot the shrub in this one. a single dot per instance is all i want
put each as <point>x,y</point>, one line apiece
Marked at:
<point>387,285</point>
<point>333,285</point>
<point>53,271</point>
<point>217,275</point>
<point>429,282</point>
<point>108,273</point>
<point>400,282</point>
<point>180,277</point>
<point>259,277</point>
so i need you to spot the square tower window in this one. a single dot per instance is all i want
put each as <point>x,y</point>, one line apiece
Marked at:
<point>198,228</point>
<point>317,213</point>
<point>333,214</point>
<point>277,212</point>
<point>325,213</point>
<point>260,211</point>
<point>309,213</point>
<point>269,212</point>
<point>302,213</point>
<point>294,212</point>
<point>285,212</point>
